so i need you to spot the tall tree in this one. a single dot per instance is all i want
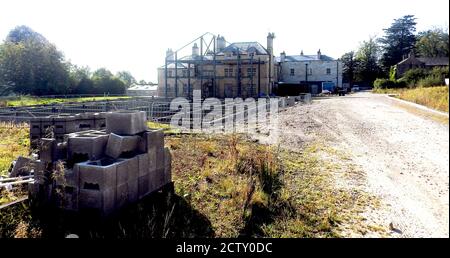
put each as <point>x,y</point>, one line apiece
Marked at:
<point>367,57</point>
<point>30,64</point>
<point>350,64</point>
<point>398,41</point>
<point>105,82</point>
<point>433,43</point>
<point>126,77</point>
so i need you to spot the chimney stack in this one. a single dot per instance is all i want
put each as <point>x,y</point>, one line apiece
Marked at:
<point>195,51</point>
<point>282,57</point>
<point>319,55</point>
<point>270,38</point>
<point>220,43</point>
<point>169,55</point>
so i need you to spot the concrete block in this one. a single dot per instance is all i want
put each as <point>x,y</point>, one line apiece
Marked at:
<point>143,186</point>
<point>122,195</point>
<point>143,161</point>
<point>126,122</point>
<point>118,145</point>
<point>290,101</point>
<point>47,150</point>
<point>61,151</point>
<point>132,167</point>
<point>92,145</point>
<point>122,172</point>
<point>98,175</point>
<point>71,177</point>
<point>22,167</point>
<point>151,138</point>
<point>167,166</point>
<point>68,198</point>
<point>104,201</point>
<point>133,190</point>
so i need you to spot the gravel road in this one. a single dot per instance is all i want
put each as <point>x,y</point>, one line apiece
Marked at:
<point>404,156</point>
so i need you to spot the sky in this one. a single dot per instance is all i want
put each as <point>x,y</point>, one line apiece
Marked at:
<point>133,35</point>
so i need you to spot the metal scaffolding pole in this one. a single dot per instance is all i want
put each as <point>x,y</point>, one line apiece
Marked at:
<point>176,74</point>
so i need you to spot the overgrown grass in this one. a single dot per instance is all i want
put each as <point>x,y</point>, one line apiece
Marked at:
<point>432,97</point>
<point>225,186</point>
<point>14,141</point>
<point>29,100</point>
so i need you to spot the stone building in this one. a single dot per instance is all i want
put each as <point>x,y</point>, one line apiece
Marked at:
<point>240,69</point>
<point>413,62</point>
<point>307,73</point>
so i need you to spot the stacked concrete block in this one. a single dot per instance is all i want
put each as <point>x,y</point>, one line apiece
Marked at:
<point>120,144</point>
<point>122,164</point>
<point>282,102</point>
<point>59,125</point>
<point>92,145</point>
<point>126,122</point>
<point>97,182</point>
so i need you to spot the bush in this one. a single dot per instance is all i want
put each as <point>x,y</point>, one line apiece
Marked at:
<point>432,80</point>
<point>413,76</point>
<point>381,83</point>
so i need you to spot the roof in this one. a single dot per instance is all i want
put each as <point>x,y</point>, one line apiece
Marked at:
<point>245,48</point>
<point>434,61</point>
<point>427,61</point>
<point>304,58</point>
<point>143,87</point>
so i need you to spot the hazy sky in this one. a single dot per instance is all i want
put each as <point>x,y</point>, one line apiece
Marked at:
<point>133,35</point>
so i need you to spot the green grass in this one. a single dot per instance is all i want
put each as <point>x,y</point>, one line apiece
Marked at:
<point>28,100</point>
<point>225,186</point>
<point>432,97</point>
<point>14,141</point>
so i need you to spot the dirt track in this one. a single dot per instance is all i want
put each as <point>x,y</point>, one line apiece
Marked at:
<point>404,157</point>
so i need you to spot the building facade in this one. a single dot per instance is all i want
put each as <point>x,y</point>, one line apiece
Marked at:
<point>241,69</point>
<point>307,73</point>
<point>413,62</point>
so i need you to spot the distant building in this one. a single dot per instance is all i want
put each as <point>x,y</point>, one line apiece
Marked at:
<point>143,90</point>
<point>240,69</point>
<point>307,73</point>
<point>413,62</point>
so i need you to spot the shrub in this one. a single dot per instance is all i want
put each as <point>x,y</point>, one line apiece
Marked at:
<point>432,80</point>
<point>381,83</point>
<point>413,76</point>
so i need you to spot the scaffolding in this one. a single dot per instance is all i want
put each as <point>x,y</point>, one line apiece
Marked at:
<point>208,57</point>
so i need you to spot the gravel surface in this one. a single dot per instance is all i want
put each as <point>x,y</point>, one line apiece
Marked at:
<point>404,157</point>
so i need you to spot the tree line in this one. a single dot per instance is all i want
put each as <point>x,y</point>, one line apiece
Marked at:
<point>30,64</point>
<point>377,57</point>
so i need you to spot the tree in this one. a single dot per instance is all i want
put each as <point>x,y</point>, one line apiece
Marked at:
<point>126,77</point>
<point>29,64</point>
<point>398,41</point>
<point>350,64</point>
<point>433,43</point>
<point>105,82</point>
<point>367,56</point>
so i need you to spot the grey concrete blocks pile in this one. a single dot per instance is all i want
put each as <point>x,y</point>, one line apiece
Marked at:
<point>59,125</point>
<point>106,170</point>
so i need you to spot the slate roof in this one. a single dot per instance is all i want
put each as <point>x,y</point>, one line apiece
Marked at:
<point>434,61</point>
<point>245,48</point>
<point>303,58</point>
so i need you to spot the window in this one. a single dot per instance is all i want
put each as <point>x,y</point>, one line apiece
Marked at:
<point>169,73</point>
<point>310,71</point>
<point>184,73</point>
<point>292,72</point>
<point>251,71</point>
<point>185,89</point>
<point>228,72</point>
<point>328,70</point>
